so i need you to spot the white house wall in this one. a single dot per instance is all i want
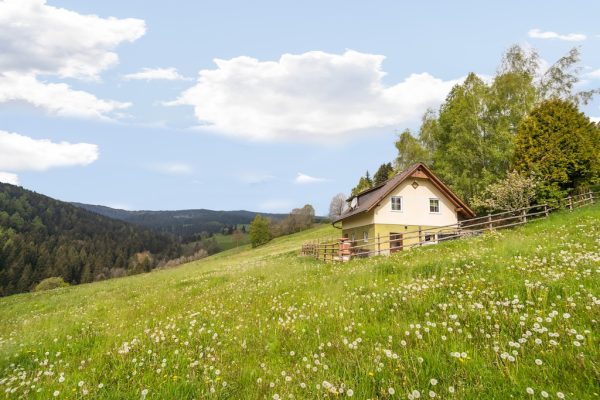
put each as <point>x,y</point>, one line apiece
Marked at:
<point>415,206</point>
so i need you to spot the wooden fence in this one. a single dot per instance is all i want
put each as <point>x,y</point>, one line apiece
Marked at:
<point>336,249</point>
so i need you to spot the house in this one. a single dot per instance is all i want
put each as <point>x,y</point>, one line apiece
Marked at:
<point>413,207</point>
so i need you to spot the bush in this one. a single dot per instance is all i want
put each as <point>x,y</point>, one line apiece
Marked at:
<point>50,283</point>
<point>260,232</point>
<point>512,193</point>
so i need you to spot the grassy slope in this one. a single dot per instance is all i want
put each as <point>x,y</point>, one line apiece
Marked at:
<point>245,319</point>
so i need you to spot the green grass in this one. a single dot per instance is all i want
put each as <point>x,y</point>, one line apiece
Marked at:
<point>264,323</point>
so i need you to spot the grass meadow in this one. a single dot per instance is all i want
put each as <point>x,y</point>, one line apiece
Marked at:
<point>508,315</point>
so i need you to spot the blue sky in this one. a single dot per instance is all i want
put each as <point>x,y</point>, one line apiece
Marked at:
<point>123,104</point>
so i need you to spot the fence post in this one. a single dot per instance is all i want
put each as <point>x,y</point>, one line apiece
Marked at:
<point>378,245</point>
<point>570,202</point>
<point>420,232</point>
<point>546,210</point>
<point>591,197</point>
<point>489,218</point>
<point>524,215</point>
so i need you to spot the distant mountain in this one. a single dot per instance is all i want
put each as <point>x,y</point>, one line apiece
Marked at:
<point>184,224</point>
<point>41,237</point>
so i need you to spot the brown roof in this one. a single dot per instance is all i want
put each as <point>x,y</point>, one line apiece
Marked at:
<point>370,198</point>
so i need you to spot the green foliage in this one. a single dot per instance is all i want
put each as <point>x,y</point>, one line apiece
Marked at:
<point>260,232</point>
<point>53,282</point>
<point>41,237</point>
<point>514,192</point>
<point>364,183</point>
<point>470,142</point>
<point>227,326</point>
<point>559,145</point>
<point>384,172</point>
<point>298,220</point>
<point>410,151</point>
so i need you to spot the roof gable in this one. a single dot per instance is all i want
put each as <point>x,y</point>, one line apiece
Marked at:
<point>370,198</point>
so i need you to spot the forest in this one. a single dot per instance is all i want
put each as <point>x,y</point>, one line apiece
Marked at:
<point>41,237</point>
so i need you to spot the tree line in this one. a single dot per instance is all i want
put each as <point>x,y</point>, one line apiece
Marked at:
<point>263,229</point>
<point>41,237</point>
<point>523,124</point>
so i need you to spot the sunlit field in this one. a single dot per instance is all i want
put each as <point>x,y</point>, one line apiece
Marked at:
<point>512,314</point>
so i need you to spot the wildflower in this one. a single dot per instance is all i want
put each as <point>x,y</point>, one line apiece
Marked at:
<point>100,385</point>
<point>416,394</point>
<point>349,392</point>
<point>56,393</point>
<point>275,396</point>
<point>80,384</point>
<point>560,395</point>
<point>391,391</point>
<point>544,394</point>
<point>432,394</point>
<point>538,361</point>
<point>529,391</point>
<point>144,393</point>
<point>433,382</point>
<point>451,389</point>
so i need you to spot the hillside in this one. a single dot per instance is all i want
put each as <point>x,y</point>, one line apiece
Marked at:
<point>42,237</point>
<point>492,317</point>
<point>187,225</point>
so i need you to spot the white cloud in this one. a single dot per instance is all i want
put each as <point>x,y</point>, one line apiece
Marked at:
<point>276,205</point>
<point>7,177</point>
<point>55,98</point>
<point>174,168</point>
<point>594,74</point>
<point>571,37</point>
<point>303,179</point>
<point>21,153</point>
<point>37,39</point>
<point>255,178</point>
<point>149,74</point>
<point>310,96</point>
<point>595,119</point>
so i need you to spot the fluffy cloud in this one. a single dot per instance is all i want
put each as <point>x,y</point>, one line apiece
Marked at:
<point>7,177</point>
<point>149,74</point>
<point>22,153</point>
<point>55,98</point>
<point>571,37</point>
<point>303,179</point>
<point>38,39</point>
<point>314,95</point>
<point>174,168</point>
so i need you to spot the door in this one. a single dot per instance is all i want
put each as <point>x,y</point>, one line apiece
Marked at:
<point>396,243</point>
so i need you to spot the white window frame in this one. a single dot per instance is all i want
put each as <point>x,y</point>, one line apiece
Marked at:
<point>392,203</point>
<point>438,205</point>
<point>366,236</point>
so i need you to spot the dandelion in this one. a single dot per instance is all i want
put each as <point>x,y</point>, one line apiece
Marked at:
<point>100,385</point>
<point>56,393</point>
<point>349,392</point>
<point>538,361</point>
<point>276,396</point>
<point>391,391</point>
<point>144,393</point>
<point>560,395</point>
<point>80,384</point>
<point>529,391</point>
<point>432,394</point>
<point>544,394</point>
<point>433,382</point>
<point>416,394</point>
<point>451,389</point>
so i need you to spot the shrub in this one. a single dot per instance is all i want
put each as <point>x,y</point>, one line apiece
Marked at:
<point>50,283</point>
<point>512,193</point>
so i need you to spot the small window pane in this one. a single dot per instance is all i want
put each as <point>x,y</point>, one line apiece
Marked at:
<point>434,205</point>
<point>366,236</point>
<point>396,203</point>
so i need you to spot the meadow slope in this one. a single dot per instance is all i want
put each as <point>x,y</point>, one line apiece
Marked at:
<point>512,314</point>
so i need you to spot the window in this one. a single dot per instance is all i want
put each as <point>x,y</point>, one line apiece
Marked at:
<point>366,236</point>
<point>396,203</point>
<point>434,205</point>
<point>354,236</point>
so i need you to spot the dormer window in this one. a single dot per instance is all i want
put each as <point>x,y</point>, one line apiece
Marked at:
<point>396,203</point>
